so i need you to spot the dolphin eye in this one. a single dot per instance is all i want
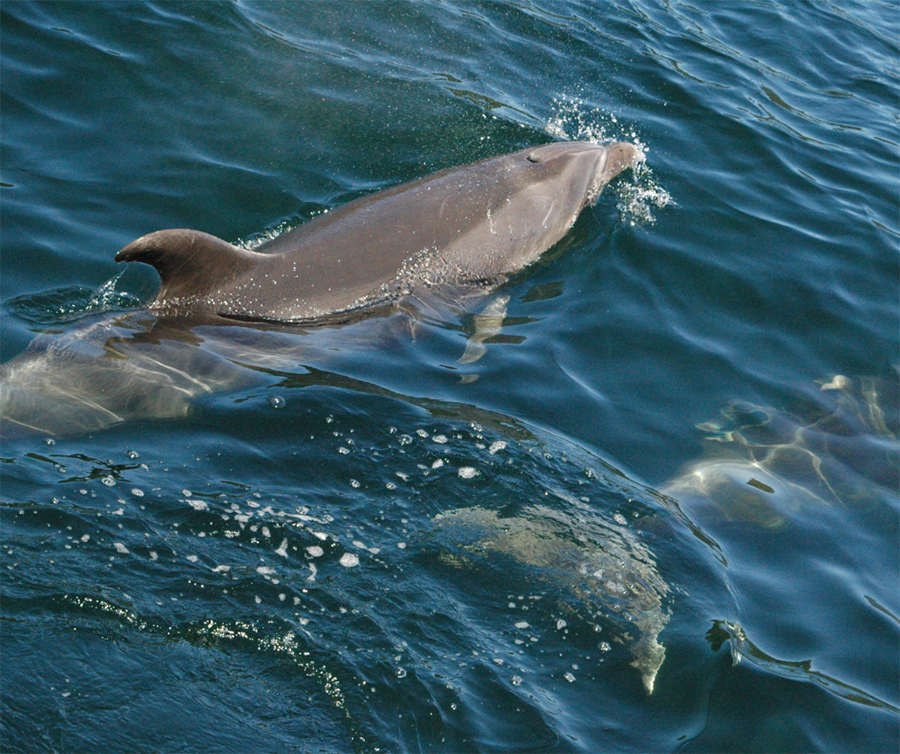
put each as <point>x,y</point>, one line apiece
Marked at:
<point>533,157</point>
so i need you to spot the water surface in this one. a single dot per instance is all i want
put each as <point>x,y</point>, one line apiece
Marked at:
<point>355,542</point>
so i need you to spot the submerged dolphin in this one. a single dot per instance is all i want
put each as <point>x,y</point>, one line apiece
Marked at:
<point>765,466</point>
<point>458,227</point>
<point>464,227</point>
<point>603,565</point>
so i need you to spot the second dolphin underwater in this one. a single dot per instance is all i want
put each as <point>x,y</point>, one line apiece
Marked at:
<point>462,229</point>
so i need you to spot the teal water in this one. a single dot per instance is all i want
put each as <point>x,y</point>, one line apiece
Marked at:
<point>684,434</point>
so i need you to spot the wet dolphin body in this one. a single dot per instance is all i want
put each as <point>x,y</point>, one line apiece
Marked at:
<point>457,227</point>
<point>460,227</point>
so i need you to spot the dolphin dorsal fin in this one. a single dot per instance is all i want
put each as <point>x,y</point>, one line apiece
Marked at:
<point>190,263</point>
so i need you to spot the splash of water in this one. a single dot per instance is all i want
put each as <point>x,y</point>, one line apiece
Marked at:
<point>255,240</point>
<point>574,120</point>
<point>71,303</point>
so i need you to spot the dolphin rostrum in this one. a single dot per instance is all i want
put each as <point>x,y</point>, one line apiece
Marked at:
<point>458,227</point>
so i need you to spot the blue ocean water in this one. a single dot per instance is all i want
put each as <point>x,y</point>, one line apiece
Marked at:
<point>684,435</point>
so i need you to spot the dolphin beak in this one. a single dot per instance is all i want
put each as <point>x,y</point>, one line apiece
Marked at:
<point>613,159</point>
<point>622,155</point>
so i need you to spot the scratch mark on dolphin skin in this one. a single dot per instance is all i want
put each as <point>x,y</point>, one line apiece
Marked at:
<point>87,402</point>
<point>180,372</point>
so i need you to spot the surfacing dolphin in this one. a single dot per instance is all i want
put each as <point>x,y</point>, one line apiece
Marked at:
<point>459,227</point>
<point>466,227</point>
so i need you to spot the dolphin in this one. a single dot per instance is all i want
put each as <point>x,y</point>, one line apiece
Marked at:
<point>764,466</point>
<point>466,227</point>
<point>459,227</point>
<point>603,565</point>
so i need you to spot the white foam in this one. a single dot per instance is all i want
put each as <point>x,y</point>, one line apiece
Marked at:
<point>349,560</point>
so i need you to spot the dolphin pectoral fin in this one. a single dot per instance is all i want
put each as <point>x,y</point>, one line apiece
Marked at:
<point>487,324</point>
<point>190,263</point>
<point>649,656</point>
<point>475,349</point>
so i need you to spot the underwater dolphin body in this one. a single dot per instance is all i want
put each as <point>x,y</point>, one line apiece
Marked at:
<point>463,228</point>
<point>609,572</point>
<point>458,227</point>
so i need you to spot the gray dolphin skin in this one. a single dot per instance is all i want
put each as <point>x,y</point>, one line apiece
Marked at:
<point>458,227</point>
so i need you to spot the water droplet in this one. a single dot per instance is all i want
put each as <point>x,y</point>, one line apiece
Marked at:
<point>349,560</point>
